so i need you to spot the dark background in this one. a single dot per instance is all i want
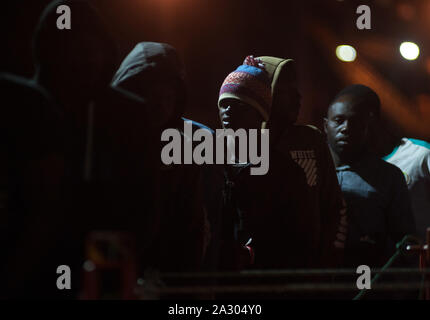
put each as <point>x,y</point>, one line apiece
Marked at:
<point>214,36</point>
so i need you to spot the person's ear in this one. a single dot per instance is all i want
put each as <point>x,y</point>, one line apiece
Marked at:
<point>325,124</point>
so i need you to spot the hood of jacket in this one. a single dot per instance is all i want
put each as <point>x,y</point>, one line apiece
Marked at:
<point>149,63</point>
<point>83,58</point>
<point>277,66</point>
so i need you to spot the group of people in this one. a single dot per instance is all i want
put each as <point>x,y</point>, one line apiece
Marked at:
<point>81,152</point>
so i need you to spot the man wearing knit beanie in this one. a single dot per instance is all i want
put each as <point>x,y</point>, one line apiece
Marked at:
<point>326,212</point>
<point>247,86</point>
<point>244,102</point>
<point>259,211</point>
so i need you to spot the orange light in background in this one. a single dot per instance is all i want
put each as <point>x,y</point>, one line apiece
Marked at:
<point>423,102</point>
<point>384,3</point>
<point>427,65</point>
<point>396,108</point>
<point>405,11</point>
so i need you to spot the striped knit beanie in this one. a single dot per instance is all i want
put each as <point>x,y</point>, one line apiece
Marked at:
<point>249,83</point>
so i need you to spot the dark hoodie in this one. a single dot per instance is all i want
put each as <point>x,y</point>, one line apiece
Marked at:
<point>74,64</point>
<point>149,64</point>
<point>109,181</point>
<point>325,215</point>
<point>184,203</point>
<point>30,165</point>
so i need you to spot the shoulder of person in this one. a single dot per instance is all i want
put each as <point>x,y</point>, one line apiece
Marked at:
<point>388,170</point>
<point>424,146</point>
<point>28,88</point>
<point>25,97</point>
<point>117,93</point>
<point>197,125</point>
<point>423,156</point>
<point>308,132</point>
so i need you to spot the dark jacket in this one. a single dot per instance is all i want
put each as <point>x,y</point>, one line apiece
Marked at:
<point>326,209</point>
<point>270,210</point>
<point>108,180</point>
<point>31,171</point>
<point>184,227</point>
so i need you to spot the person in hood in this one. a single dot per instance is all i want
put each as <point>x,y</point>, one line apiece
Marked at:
<point>30,168</point>
<point>305,145</point>
<point>155,72</point>
<point>108,181</point>
<point>261,212</point>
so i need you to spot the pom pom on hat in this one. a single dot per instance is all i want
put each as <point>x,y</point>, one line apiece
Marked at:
<point>250,84</point>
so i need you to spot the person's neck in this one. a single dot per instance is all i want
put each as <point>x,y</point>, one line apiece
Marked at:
<point>336,159</point>
<point>343,159</point>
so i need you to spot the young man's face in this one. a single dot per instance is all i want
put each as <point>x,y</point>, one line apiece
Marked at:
<point>235,114</point>
<point>346,127</point>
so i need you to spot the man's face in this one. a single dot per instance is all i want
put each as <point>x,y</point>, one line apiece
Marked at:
<point>235,114</point>
<point>346,127</point>
<point>286,100</point>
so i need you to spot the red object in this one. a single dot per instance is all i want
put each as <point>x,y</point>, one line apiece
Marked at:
<point>251,254</point>
<point>109,251</point>
<point>424,252</point>
<point>255,62</point>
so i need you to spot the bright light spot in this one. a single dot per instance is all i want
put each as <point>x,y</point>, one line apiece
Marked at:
<point>346,53</point>
<point>89,266</point>
<point>409,50</point>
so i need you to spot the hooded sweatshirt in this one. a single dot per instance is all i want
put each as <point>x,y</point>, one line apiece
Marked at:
<point>149,64</point>
<point>305,145</point>
<point>82,59</point>
<point>30,165</point>
<point>108,181</point>
<point>184,205</point>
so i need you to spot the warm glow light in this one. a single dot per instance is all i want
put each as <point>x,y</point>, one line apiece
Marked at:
<point>409,50</point>
<point>346,53</point>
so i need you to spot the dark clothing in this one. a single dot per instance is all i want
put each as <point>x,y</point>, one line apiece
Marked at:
<point>379,209</point>
<point>184,225</point>
<point>150,64</point>
<point>299,203</point>
<point>306,146</point>
<point>31,172</point>
<point>270,209</point>
<point>326,209</point>
<point>184,231</point>
<point>105,166</point>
